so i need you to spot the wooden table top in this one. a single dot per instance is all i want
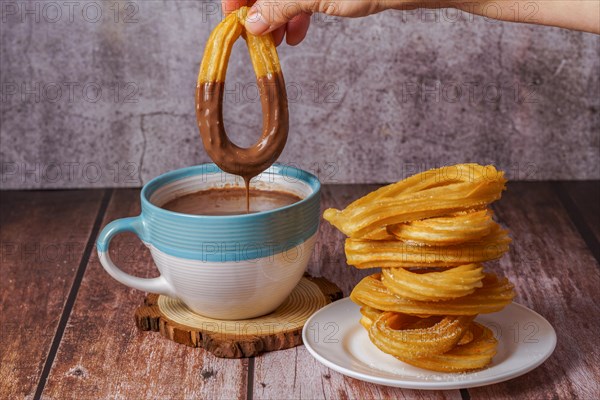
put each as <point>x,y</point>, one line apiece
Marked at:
<point>68,329</point>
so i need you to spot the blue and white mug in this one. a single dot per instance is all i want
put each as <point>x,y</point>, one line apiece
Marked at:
<point>224,267</point>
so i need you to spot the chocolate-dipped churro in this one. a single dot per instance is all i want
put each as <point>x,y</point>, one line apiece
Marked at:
<point>251,161</point>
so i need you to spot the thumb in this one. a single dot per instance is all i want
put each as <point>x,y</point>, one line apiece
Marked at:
<point>267,15</point>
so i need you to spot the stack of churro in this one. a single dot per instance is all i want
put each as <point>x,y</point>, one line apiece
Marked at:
<point>430,234</point>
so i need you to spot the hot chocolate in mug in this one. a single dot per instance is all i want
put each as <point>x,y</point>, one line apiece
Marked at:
<point>222,266</point>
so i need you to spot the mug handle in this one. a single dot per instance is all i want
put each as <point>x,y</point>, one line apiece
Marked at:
<point>132,224</point>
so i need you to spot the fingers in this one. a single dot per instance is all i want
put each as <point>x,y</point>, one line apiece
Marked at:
<point>266,16</point>
<point>285,18</point>
<point>297,28</point>
<point>278,35</point>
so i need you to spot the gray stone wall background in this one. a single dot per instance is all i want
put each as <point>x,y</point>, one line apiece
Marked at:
<point>101,93</point>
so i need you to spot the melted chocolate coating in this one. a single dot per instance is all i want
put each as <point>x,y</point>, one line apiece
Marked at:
<point>251,161</point>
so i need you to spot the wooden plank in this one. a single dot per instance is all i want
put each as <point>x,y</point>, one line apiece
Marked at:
<point>552,268</point>
<point>294,373</point>
<point>104,355</point>
<point>586,195</point>
<point>554,274</point>
<point>583,205</point>
<point>43,236</point>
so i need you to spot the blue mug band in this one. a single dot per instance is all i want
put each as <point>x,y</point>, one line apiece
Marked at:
<point>226,238</point>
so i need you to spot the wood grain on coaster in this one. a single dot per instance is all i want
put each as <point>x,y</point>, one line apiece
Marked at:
<point>278,330</point>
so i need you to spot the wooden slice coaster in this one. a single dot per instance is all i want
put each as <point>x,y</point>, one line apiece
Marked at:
<point>279,330</point>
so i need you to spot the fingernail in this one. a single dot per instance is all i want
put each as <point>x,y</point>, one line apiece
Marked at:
<point>255,23</point>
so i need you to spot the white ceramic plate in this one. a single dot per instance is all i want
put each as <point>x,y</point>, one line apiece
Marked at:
<point>334,337</point>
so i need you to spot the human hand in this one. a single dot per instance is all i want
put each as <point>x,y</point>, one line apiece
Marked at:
<point>291,18</point>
